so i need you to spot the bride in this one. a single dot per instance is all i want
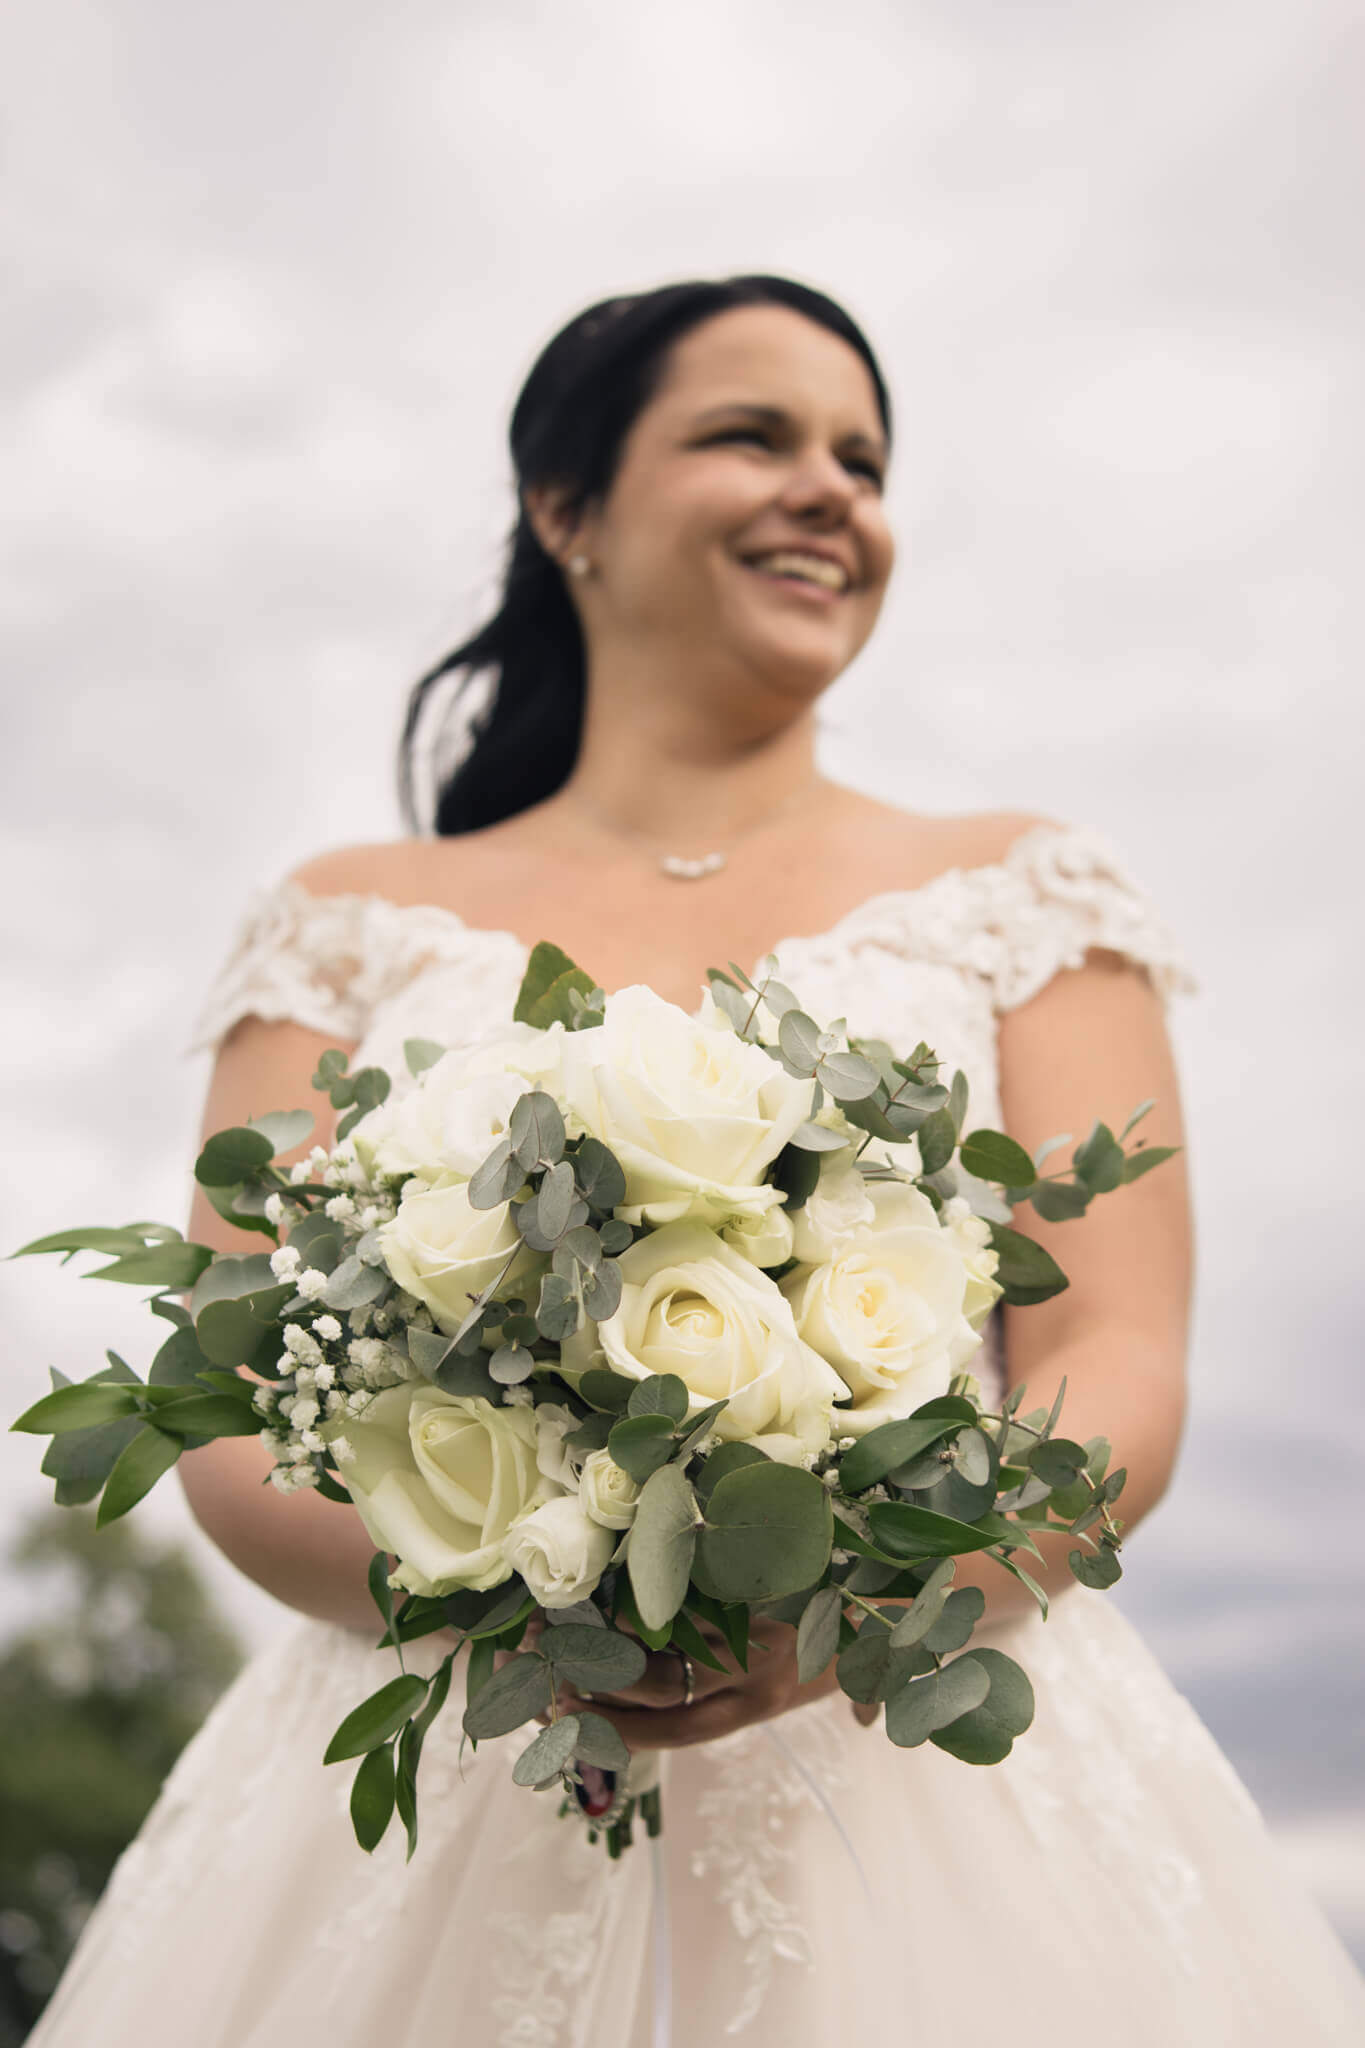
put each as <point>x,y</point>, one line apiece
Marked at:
<point>702,547</point>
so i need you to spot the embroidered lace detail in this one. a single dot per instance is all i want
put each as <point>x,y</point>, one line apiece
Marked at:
<point>941,960</point>
<point>326,961</point>
<point>745,1813</point>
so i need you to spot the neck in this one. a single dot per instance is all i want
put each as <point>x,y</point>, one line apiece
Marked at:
<point>683,786</point>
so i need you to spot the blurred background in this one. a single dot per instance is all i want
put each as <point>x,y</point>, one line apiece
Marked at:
<point>276,277</point>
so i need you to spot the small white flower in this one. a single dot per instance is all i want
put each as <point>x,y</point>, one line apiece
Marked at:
<point>300,1171</point>
<point>311,1283</point>
<point>312,1442</point>
<point>317,1158</point>
<point>343,1450</point>
<point>274,1209</point>
<point>328,1328</point>
<point>846,1443</point>
<point>289,1478</point>
<point>304,1413</point>
<point>371,1216</point>
<point>264,1399</point>
<point>324,1375</point>
<point>340,1209</point>
<point>519,1397</point>
<point>301,1345</point>
<point>336,1403</point>
<point>358,1402</point>
<point>284,1263</point>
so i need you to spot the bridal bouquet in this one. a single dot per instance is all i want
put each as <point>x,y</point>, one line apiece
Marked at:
<point>651,1322</point>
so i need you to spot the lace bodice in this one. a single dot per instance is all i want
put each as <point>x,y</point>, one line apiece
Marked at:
<point>940,962</point>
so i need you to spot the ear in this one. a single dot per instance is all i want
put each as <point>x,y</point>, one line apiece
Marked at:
<point>551,509</point>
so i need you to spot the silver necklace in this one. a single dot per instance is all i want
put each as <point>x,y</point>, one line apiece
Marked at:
<point>686,868</point>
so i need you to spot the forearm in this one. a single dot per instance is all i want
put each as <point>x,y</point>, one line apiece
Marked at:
<point>1131,1395</point>
<point>311,1553</point>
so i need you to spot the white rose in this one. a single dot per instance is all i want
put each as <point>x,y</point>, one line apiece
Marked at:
<point>692,1305</point>
<point>443,1250</point>
<point>693,1112</point>
<point>764,1240</point>
<point>448,1120</point>
<point>607,1493</point>
<point>439,1479</point>
<point>559,1464</point>
<point>559,1551</point>
<point>972,1236</point>
<point>887,1309</point>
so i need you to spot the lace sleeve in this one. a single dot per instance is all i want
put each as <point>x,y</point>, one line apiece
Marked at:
<point>323,961</point>
<point>1063,890</point>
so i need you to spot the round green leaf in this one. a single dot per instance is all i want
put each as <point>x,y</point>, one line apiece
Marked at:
<point>514,1694</point>
<point>640,1444</point>
<point>602,1659</point>
<point>1058,1460</point>
<point>929,1703</point>
<point>768,1531</point>
<point>890,1445</point>
<point>1099,1571</point>
<point>984,1734</point>
<point>232,1156</point>
<point>962,1610</point>
<point>661,1394</point>
<point>599,1743</point>
<point>548,1755</point>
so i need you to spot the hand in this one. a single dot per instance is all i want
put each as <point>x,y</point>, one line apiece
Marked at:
<point>650,1713</point>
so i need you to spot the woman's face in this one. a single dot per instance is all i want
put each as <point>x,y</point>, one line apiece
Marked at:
<point>764,436</point>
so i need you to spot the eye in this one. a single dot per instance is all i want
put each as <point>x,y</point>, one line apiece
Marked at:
<point>763,434</point>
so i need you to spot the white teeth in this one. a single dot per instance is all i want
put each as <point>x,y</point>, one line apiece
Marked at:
<point>812,568</point>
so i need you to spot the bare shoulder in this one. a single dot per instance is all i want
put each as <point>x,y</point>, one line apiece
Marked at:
<point>925,842</point>
<point>398,869</point>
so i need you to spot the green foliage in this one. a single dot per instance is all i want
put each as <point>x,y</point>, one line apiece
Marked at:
<point>98,1695</point>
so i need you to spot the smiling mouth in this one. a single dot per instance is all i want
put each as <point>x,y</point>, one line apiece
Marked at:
<point>794,580</point>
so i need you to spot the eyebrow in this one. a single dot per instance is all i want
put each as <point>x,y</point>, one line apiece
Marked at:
<point>776,416</point>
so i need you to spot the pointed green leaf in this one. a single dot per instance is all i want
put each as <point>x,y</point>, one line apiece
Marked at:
<point>378,1718</point>
<point>372,1797</point>
<point>135,1473</point>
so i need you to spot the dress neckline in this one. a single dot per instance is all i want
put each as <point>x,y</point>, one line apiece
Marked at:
<point>880,902</point>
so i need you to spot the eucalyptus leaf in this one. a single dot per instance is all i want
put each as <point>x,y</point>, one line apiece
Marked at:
<point>931,1702</point>
<point>926,1607</point>
<point>641,1444</point>
<point>543,998</point>
<point>817,1138</point>
<point>1058,1461</point>
<point>660,1394</point>
<point>421,1053</point>
<point>985,1733</point>
<point>799,1038</point>
<point>235,1155</point>
<point>354,1284</point>
<point>727,1457</point>
<point>990,1155</point>
<point>600,1659</point>
<point>663,1539</point>
<point>937,1137</point>
<point>768,1531</point>
<point>1099,1571</point>
<point>1099,1162</point>
<point>600,1177</point>
<point>602,1291</point>
<point>548,1756</point>
<point>496,1178</point>
<point>599,1743</point>
<point>817,1636</point>
<point>1059,1201</point>
<point>962,1610</point>
<point>848,1076</point>
<point>515,1693</point>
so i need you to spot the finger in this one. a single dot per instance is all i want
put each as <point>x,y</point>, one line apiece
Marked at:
<point>672,1728</point>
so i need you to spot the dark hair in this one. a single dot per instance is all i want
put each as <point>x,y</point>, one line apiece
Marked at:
<point>583,393</point>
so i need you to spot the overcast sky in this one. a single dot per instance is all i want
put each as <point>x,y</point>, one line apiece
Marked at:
<point>281,271</point>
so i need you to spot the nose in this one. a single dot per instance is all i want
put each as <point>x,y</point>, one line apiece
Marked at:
<point>819,484</point>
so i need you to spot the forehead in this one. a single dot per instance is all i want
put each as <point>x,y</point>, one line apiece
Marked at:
<point>769,355</point>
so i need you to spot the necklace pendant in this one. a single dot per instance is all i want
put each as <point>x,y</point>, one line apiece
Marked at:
<point>685,870</point>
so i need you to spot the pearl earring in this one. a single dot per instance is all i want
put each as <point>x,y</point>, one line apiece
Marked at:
<point>579,565</point>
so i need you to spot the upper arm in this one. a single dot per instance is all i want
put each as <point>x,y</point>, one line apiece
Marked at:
<point>1093,1044</point>
<point>261,1067</point>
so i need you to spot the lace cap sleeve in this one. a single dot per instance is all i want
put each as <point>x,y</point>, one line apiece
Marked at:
<point>1063,889</point>
<point>322,961</point>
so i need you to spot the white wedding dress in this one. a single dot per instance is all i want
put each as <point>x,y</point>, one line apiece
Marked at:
<point>814,1885</point>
